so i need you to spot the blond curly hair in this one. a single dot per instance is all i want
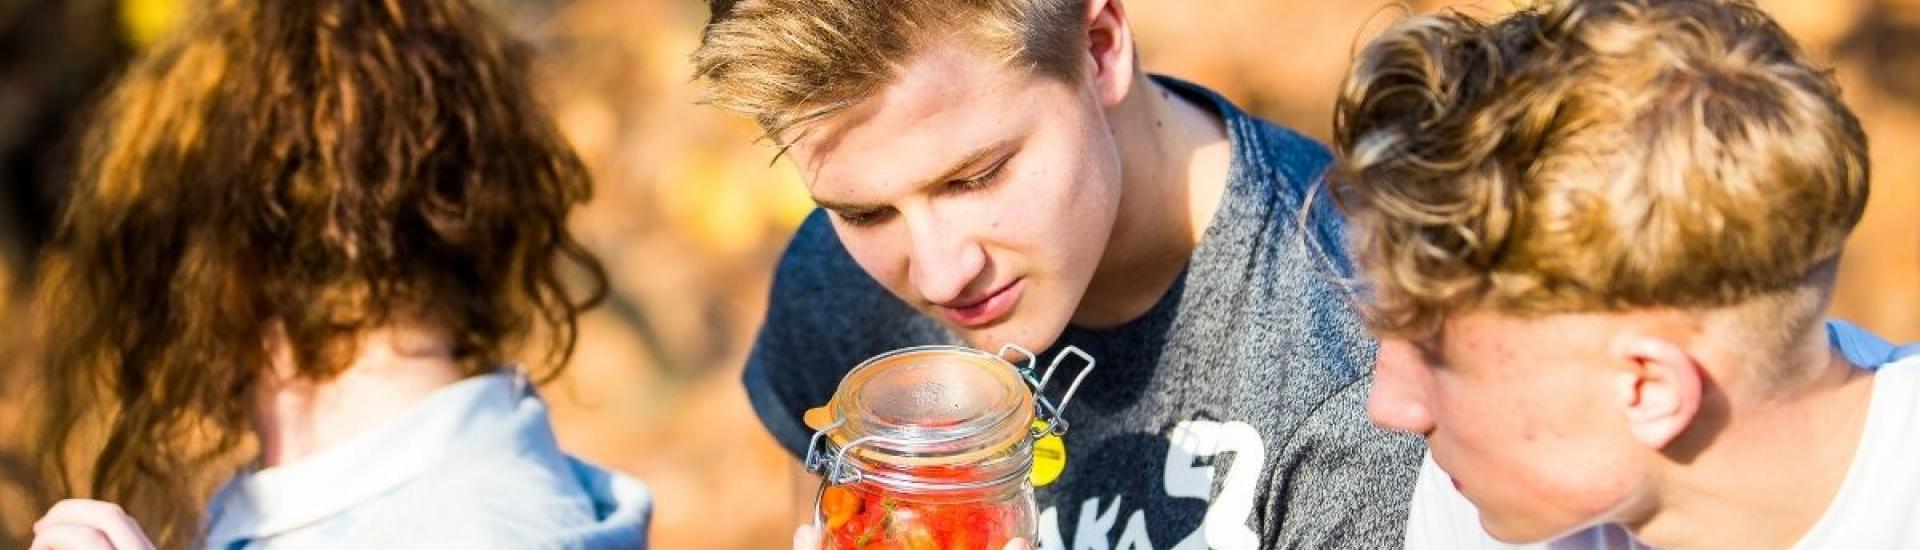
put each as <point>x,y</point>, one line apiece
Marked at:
<point>1595,155</point>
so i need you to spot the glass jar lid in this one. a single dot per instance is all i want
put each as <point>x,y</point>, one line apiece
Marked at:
<point>931,405</point>
<point>958,414</point>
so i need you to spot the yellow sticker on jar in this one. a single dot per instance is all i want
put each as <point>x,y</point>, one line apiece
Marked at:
<point>1049,457</point>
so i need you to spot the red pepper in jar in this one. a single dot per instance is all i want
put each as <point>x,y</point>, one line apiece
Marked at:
<point>929,448</point>
<point>864,516</point>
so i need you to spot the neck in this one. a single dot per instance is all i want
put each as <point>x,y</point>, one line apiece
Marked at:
<point>1734,494</point>
<point>393,367</point>
<point>1174,158</point>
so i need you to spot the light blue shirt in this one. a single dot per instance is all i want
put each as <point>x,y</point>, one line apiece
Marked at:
<point>1866,349</point>
<point>474,465</point>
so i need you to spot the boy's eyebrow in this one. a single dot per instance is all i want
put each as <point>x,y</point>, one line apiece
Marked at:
<point>842,206</point>
<point>951,173</point>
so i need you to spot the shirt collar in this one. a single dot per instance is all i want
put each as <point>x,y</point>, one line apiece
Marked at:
<point>1862,348</point>
<point>266,502</point>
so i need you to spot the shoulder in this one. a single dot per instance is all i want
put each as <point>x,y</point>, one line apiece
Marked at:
<point>1277,192</point>
<point>1295,160</point>
<point>814,254</point>
<point>1290,171</point>
<point>512,502</point>
<point>1263,150</point>
<point>815,261</point>
<point>818,286</point>
<point>825,311</point>
<point>508,493</point>
<point>1338,428</point>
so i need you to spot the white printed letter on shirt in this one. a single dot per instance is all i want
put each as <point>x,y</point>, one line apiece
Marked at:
<point>1225,525</point>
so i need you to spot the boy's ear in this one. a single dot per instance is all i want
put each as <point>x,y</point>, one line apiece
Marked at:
<point>1112,64</point>
<point>1660,388</point>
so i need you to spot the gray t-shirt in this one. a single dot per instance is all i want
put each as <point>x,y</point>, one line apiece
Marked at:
<point>1232,414</point>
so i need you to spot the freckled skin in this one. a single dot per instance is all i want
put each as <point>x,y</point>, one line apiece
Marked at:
<point>1509,411</point>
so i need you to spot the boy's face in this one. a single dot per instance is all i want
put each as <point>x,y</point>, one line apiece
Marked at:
<point>982,195</point>
<point>1522,413</point>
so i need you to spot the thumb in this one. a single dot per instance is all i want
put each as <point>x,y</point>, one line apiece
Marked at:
<point>807,537</point>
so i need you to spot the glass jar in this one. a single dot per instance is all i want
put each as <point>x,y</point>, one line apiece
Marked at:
<point>931,448</point>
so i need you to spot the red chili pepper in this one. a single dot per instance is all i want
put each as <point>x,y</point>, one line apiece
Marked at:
<point>839,504</point>
<point>864,516</point>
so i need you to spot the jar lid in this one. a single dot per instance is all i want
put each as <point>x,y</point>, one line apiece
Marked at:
<point>920,419</point>
<point>931,405</point>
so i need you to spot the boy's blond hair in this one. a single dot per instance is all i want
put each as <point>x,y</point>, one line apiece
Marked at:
<point>1592,156</point>
<point>789,62</point>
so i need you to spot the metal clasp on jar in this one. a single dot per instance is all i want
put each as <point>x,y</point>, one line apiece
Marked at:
<point>1044,408</point>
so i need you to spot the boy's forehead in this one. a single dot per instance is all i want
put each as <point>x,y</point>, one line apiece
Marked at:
<point>937,79</point>
<point>939,105</point>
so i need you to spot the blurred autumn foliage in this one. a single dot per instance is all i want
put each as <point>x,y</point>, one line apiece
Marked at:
<point>690,213</point>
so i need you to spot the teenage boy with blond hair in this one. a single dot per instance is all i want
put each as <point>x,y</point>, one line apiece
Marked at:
<point>1004,171</point>
<point>1601,239</point>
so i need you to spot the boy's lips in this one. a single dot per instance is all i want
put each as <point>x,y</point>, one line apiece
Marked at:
<point>986,309</point>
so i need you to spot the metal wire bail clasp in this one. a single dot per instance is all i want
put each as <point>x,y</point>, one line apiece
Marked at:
<point>828,462</point>
<point>835,470</point>
<point>1044,409</point>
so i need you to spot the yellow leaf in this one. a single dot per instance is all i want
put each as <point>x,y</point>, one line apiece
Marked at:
<point>144,21</point>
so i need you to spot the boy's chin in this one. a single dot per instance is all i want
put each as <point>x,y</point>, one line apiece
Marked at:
<point>991,338</point>
<point>1520,532</point>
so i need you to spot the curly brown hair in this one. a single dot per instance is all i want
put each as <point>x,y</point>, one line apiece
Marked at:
<point>1596,155</point>
<point>321,166</point>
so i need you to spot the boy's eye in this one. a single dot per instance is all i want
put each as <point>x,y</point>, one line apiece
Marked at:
<point>979,182</point>
<point>862,218</point>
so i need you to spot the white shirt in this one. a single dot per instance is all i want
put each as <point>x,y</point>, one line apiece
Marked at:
<point>1443,519</point>
<point>1878,506</point>
<point>473,465</point>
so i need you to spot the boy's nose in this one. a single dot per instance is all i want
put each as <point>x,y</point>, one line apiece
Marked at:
<point>1399,398</point>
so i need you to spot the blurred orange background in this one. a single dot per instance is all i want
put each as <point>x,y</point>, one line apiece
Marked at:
<point>690,216</point>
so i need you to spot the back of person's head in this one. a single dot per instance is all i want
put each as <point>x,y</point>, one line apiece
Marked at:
<point>300,172</point>
<point>1596,156</point>
<point>788,62</point>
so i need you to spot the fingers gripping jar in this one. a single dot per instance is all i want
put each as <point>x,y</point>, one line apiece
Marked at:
<point>931,448</point>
